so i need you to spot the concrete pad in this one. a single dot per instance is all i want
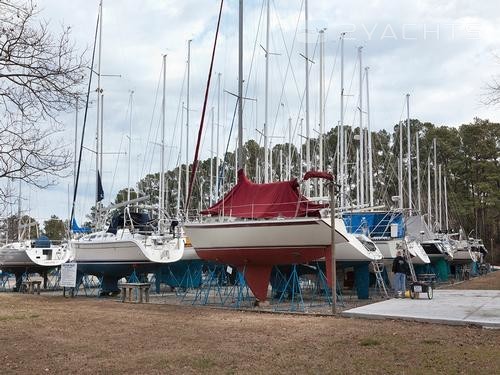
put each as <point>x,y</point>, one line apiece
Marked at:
<point>457,307</point>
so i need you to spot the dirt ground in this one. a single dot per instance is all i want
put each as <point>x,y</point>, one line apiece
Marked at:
<point>489,281</point>
<point>52,334</point>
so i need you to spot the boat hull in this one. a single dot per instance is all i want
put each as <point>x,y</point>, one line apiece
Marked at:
<point>274,242</point>
<point>126,247</point>
<point>14,255</point>
<point>254,247</point>
<point>463,256</point>
<point>112,257</point>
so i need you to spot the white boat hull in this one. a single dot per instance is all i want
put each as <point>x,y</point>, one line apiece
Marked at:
<point>464,256</point>
<point>14,255</point>
<point>22,254</point>
<point>102,248</point>
<point>389,249</point>
<point>265,238</point>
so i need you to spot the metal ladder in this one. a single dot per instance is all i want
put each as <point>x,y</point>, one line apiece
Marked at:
<point>378,268</point>
<point>407,257</point>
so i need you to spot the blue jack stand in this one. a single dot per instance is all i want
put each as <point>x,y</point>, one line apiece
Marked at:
<point>290,291</point>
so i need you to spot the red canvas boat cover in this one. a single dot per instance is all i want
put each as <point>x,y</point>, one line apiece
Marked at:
<point>318,174</point>
<point>251,201</point>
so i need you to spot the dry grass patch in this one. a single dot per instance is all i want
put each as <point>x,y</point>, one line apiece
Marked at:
<point>90,335</point>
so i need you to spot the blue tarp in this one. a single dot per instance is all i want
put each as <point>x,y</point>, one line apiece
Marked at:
<point>376,224</point>
<point>76,229</point>
<point>42,241</point>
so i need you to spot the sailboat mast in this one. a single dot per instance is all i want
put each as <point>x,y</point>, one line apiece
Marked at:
<point>435,180</point>
<point>179,177</point>
<point>266,102</point>
<point>19,212</point>
<point>440,199</point>
<point>341,125</point>
<point>357,177</point>
<point>281,164</point>
<point>445,205</point>
<point>240,86</point>
<point>211,160</point>
<point>308,135</point>
<point>321,104</point>
<point>300,147</point>
<point>271,161</point>
<point>187,114</point>
<point>361,185</point>
<point>161,207</point>
<point>236,153</point>
<point>98,104</point>
<point>289,149</point>
<point>400,167</point>
<point>76,144</point>
<point>129,145</point>
<point>101,132</point>
<point>429,203</point>
<point>370,151</point>
<point>337,150</point>
<point>408,129</point>
<point>417,151</point>
<point>217,182</point>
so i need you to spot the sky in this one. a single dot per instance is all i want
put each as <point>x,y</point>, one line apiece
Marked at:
<point>442,53</point>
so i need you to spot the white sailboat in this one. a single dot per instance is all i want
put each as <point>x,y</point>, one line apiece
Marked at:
<point>31,256</point>
<point>258,226</point>
<point>132,243</point>
<point>387,231</point>
<point>463,253</point>
<point>25,254</point>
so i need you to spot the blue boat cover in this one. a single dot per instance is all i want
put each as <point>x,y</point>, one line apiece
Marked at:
<point>76,229</point>
<point>373,224</point>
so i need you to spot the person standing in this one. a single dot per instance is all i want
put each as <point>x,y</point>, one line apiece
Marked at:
<point>399,267</point>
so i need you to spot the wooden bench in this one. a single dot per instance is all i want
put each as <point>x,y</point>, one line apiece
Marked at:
<point>30,286</point>
<point>140,290</point>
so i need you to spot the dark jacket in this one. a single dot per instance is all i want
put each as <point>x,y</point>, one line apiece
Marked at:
<point>399,265</point>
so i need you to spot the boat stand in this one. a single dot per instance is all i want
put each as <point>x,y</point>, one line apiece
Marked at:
<point>183,281</point>
<point>89,284</point>
<point>299,292</point>
<point>5,281</point>
<point>187,283</point>
<point>288,295</point>
<point>20,282</point>
<point>322,292</point>
<point>133,278</point>
<point>210,290</point>
<point>221,287</point>
<point>238,292</point>
<point>53,279</point>
<point>462,272</point>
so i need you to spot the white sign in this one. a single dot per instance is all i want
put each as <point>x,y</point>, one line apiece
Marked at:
<point>229,270</point>
<point>417,288</point>
<point>68,275</point>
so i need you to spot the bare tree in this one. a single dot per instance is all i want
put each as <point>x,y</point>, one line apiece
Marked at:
<point>492,96</point>
<point>40,77</point>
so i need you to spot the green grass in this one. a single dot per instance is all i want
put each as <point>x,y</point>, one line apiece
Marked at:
<point>369,342</point>
<point>431,342</point>
<point>203,363</point>
<point>6,318</point>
